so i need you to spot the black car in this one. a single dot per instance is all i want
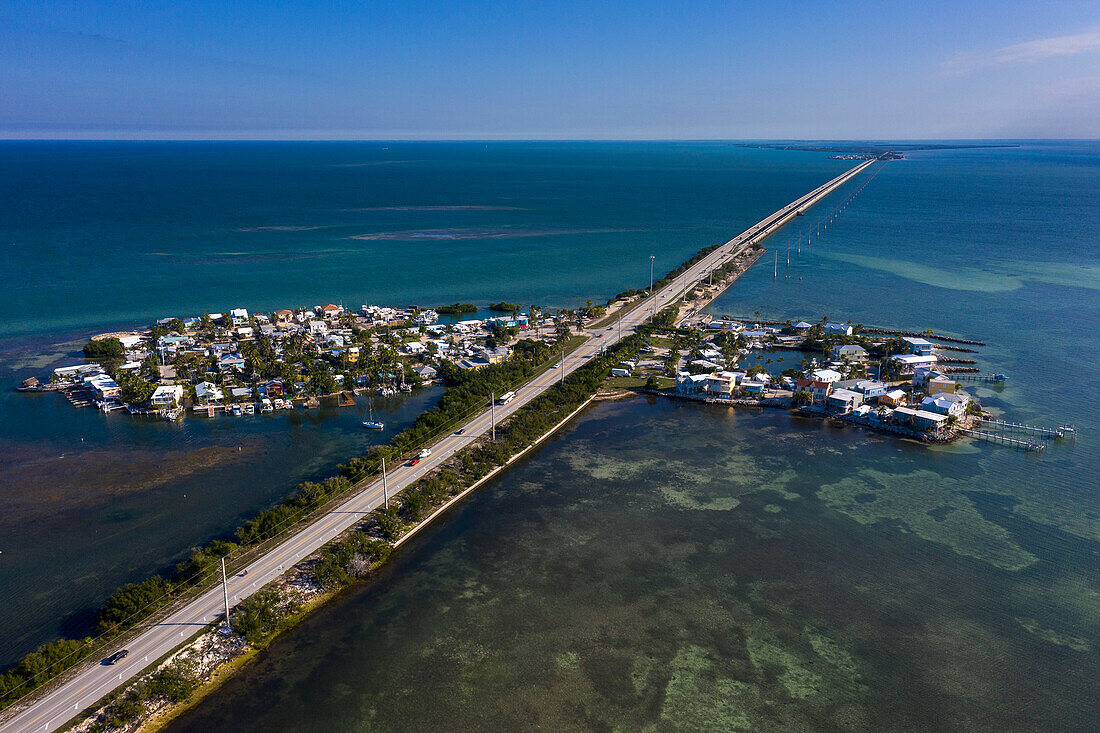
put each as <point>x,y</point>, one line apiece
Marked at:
<point>460,431</point>
<point>117,657</point>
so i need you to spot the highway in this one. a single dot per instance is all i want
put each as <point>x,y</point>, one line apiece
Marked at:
<point>56,705</point>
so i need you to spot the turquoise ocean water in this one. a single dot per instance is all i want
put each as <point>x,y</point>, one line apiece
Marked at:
<point>683,567</point>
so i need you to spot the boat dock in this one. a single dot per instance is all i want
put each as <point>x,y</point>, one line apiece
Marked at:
<point>995,378</point>
<point>1026,445</point>
<point>1058,432</point>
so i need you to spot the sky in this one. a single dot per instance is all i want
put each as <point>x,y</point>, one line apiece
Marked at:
<point>564,69</point>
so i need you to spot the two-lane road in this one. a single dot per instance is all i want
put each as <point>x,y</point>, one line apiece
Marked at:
<point>56,706</point>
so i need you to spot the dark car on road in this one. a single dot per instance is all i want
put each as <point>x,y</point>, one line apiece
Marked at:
<point>116,657</point>
<point>460,431</point>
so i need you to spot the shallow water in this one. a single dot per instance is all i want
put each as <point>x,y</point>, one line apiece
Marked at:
<point>683,567</point>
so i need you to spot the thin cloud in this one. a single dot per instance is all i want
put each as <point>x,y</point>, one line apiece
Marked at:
<point>1026,53</point>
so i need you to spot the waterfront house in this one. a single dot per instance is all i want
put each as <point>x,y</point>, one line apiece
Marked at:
<point>918,346</point>
<point>283,315</point>
<point>425,372</point>
<point>722,384</point>
<point>920,419</point>
<point>755,386</point>
<point>719,324</point>
<point>941,384</point>
<point>238,317</point>
<point>131,341</point>
<point>207,392</point>
<point>946,403</point>
<point>167,395</point>
<point>103,386</point>
<point>240,394</point>
<point>331,311</point>
<point>911,362</point>
<point>802,326</point>
<point>815,388</point>
<point>837,329</point>
<point>843,400</point>
<point>274,388</point>
<point>690,383</point>
<point>869,388</point>
<point>853,352</point>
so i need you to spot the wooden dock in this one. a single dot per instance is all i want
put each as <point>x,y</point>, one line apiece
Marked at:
<point>1025,445</point>
<point>1059,432</point>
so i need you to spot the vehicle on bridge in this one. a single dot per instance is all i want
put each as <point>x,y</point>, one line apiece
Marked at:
<point>117,657</point>
<point>505,398</point>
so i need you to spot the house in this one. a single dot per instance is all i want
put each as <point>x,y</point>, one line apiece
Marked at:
<point>334,340</point>
<point>703,364</point>
<point>690,383</point>
<point>240,394</point>
<point>722,384</point>
<point>946,403</point>
<point>754,386</point>
<point>318,328</point>
<point>911,362</point>
<point>843,400</point>
<point>835,329</point>
<point>167,395</point>
<point>103,386</point>
<point>129,342</point>
<point>719,324</point>
<point>207,392</point>
<point>628,365</point>
<point>425,372</point>
<point>495,355</point>
<point>231,362</point>
<point>853,352</point>
<point>893,398</point>
<point>802,326</point>
<point>267,330</point>
<point>941,384</point>
<point>331,311</point>
<point>825,375</point>
<point>711,354</point>
<point>244,333</point>
<point>274,388</point>
<point>283,315</point>
<point>415,347</point>
<point>920,419</point>
<point>238,317</point>
<point>918,346</point>
<point>816,389</point>
<point>869,388</point>
<point>474,363</point>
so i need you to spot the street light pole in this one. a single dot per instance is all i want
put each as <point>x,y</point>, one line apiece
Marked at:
<point>385,489</point>
<point>225,593</point>
<point>651,258</point>
<point>493,414</point>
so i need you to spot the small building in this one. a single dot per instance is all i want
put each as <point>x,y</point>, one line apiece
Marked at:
<point>425,372</point>
<point>318,328</point>
<point>283,315</point>
<point>920,419</point>
<point>207,392</point>
<point>754,386</point>
<point>240,394</point>
<point>722,384</point>
<point>893,398</point>
<point>131,341</point>
<point>231,362</point>
<point>843,400</point>
<point>837,329</point>
<point>620,372</point>
<point>946,403</point>
<point>244,333</point>
<point>331,311</point>
<point>690,383</point>
<point>853,352</point>
<point>802,326</point>
<point>103,386</point>
<point>918,346</point>
<point>238,317</point>
<point>168,395</point>
<point>911,362</point>
<point>941,384</point>
<point>825,375</point>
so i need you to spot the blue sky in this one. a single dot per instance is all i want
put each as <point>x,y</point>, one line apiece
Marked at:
<point>549,70</point>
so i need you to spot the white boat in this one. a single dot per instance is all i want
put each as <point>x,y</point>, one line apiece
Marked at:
<point>236,410</point>
<point>374,425</point>
<point>249,408</point>
<point>265,405</point>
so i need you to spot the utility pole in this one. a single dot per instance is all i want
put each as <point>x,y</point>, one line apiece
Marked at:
<point>651,258</point>
<point>493,414</point>
<point>620,325</point>
<point>562,367</point>
<point>385,490</point>
<point>225,592</point>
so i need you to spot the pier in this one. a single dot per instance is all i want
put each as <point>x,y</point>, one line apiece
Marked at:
<point>995,378</point>
<point>1058,432</point>
<point>1025,445</point>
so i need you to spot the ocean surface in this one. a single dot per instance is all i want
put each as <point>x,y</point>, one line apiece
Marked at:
<point>657,565</point>
<point>669,566</point>
<point>102,236</point>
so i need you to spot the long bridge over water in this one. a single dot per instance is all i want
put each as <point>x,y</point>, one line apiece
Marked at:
<point>56,703</point>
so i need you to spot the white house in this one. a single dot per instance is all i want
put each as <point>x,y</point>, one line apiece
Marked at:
<point>166,395</point>
<point>825,375</point>
<point>318,328</point>
<point>206,392</point>
<point>911,362</point>
<point>238,317</point>
<point>832,329</point>
<point>620,372</point>
<point>844,400</point>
